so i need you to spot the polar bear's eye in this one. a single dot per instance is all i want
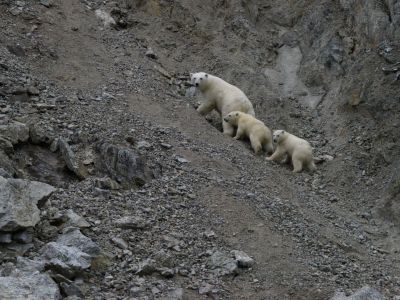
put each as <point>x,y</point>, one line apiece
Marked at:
<point>201,78</point>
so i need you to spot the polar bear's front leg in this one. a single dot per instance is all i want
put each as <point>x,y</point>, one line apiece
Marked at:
<point>239,133</point>
<point>228,129</point>
<point>277,156</point>
<point>205,108</point>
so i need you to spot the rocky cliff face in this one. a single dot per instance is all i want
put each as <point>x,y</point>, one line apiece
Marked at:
<point>100,139</point>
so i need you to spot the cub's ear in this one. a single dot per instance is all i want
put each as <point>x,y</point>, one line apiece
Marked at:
<point>206,75</point>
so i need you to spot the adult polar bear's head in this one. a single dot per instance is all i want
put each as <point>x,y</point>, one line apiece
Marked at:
<point>279,135</point>
<point>199,79</point>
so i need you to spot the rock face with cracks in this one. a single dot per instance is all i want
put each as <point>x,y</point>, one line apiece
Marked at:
<point>19,201</point>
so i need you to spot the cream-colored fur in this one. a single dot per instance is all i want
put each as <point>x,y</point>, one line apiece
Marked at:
<point>221,96</point>
<point>260,135</point>
<point>299,151</point>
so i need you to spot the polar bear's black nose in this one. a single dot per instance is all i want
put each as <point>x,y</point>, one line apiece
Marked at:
<point>197,84</point>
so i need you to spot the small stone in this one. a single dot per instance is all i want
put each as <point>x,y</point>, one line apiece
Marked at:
<point>107,184</point>
<point>143,145</point>
<point>150,53</point>
<point>365,293</point>
<point>46,3</point>
<point>131,222</point>
<point>166,272</point>
<point>242,259</point>
<point>224,264</point>
<point>205,289</point>
<point>75,220</point>
<point>146,267</point>
<point>182,160</point>
<point>166,146</point>
<point>119,242</point>
<point>33,91</point>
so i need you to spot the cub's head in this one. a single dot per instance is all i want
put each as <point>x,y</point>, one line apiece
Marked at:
<point>232,117</point>
<point>198,79</point>
<point>279,135</point>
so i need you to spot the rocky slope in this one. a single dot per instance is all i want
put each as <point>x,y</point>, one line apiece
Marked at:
<point>112,187</point>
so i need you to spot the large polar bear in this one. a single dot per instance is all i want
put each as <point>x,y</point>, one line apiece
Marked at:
<point>297,150</point>
<point>260,135</point>
<point>222,96</point>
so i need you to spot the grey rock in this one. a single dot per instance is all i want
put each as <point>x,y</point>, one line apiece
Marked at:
<point>33,286</point>
<point>5,238</point>
<point>107,184</point>
<point>182,160</point>
<point>224,264</point>
<point>19,201</point>
<point>124,165</point>
<point>22,237</point>
<point>75,220</point>
<point>242,259</point>
<point>71,289</point>
<point>365,293</point>
<point>72,237</point>
<point>166,146</point>
<point>15,132</point>
<point>33,91</point>
<point>26,265</point>
<point>4,173</point>
<point>150,53</point>
<point>54,145</point>
<point>176,294</point>
<point>46,3</point>
<point>70,159</point>
<point>14,249</point>
<point>68,261</point>
<point>166,272</point>
<point>119,242</point>
<point>205,289</point>
<point>38,135</point>
<point>130,222</point>
<point>6,146</point>
<point>143,145</point>
<point>146,267</point>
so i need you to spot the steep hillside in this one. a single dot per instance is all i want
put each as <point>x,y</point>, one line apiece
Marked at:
<point>101,109</point>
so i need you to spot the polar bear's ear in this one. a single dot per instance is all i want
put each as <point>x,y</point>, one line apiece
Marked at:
<point>206,75</point>
<point>237,114</point>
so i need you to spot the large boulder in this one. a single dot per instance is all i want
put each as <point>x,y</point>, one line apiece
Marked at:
<point>15,132</point>
<point>24,281</point>
<point>65,260</point>
<point>19,201</point>
<point>72,237</point>
<point>124,165</point>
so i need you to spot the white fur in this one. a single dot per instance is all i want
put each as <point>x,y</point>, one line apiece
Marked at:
<point>221,96</point>
<point>295,148</point>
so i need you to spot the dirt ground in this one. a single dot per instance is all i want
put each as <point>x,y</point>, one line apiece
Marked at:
<point>309,234</point>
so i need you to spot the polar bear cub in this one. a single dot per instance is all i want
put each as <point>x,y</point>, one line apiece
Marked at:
<point>260,135</point>
<point>221,96</point>
<point>295,148</point>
